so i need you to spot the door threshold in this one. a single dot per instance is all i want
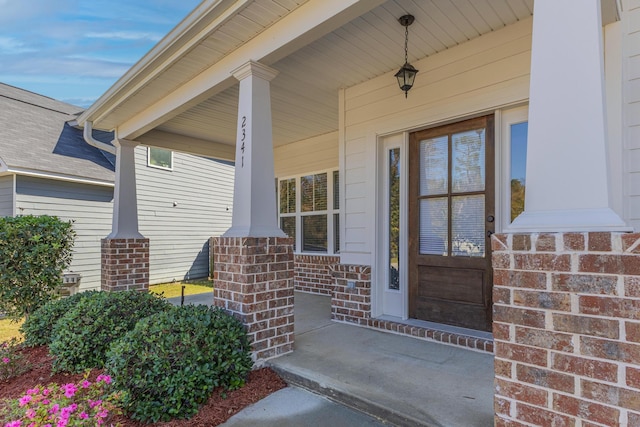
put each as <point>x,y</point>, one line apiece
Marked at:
<point>447,334</point>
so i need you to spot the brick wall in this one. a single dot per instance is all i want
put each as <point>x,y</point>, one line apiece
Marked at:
<point>567,329</point>
<point>125,264</point>
<point>312,273</point>
<point>253,279</point>
<point>348,304</point>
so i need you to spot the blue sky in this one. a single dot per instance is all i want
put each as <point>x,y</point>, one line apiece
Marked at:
<point>74,50</point>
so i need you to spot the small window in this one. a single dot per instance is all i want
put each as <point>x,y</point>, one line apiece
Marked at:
<point>518,167</point>
<point>160,158</point>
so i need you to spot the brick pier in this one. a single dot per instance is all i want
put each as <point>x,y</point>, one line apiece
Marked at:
<point>125,265</point>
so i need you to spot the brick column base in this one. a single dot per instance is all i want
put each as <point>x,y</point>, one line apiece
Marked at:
<point>253,280</point>
<point>125,265</point>
<point>351,298</point>
<point>567,329</point>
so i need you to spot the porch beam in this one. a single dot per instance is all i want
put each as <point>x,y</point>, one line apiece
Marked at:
<point>567,186</point>
<point>305,24</point>
<point>187,144</point>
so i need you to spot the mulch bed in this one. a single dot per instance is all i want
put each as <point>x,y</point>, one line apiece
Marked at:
<point>260,384</point>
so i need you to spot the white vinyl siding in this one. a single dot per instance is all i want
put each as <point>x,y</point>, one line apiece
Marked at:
<point>179,210</point>
<point>6,195</point>
<point>631,107</point>
<point>478,76</point>
<point>89,206</point>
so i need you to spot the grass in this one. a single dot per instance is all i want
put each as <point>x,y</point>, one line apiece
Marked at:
<point>192,287</point>
<point>9,329</point>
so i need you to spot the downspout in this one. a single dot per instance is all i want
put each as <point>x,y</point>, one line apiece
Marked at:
<point>88,137</point>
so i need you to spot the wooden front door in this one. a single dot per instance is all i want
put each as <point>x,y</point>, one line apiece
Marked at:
<point>451,218</point>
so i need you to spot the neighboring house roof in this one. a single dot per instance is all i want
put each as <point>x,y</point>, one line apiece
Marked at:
<point>36,138</point>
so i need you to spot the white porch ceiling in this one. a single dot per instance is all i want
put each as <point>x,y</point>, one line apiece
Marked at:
<point>305,93</point>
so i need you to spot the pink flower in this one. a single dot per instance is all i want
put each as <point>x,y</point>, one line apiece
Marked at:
<point>31,413</point>
<point>46,392</point>
<point>105,378</point>
<point>69,389</point>
<point>54,409</point>
<point>24,400</point>
<point>83,415</point>
<point>86,384</point>
<point>5,360</point>
<point>94,403</point>
<point>13,424</point>
<point>33,391</point>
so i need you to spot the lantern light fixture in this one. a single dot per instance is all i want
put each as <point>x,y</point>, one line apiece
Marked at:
<point>407,74</point>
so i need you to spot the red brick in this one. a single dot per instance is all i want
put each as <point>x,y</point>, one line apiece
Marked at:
<point>502,368</point>
<point>501,295</point>
<point>543,417</point>
<point>612,395</point>
<point>520,279</point>
<point>599,242</point>
<point>501,331</point>
<point>614,307</point>
<point>633,377</point>
<point>546,242</point>
<point>629,242</point>
<point>521,353</point>
<point>584,367</point>
<point>521,392</point>
<point>518,316</point>
<point>544,338</point>
<point>499,242</point>
<point>546,300</point>
<point>632,330</point>
<point>586,410</point>
<point>611,350</point>
<point>542,262</point>
<point>546,378</point>
<point>501,406</point>
<point>574,241</point>
<point>521,242</point>
<point>586,325</point>
<point>632,286</point>
<point>502,422</point>
<point>585,283</point>
<point>500,260</point>
<point>634,419</point>
<point>610,264</point>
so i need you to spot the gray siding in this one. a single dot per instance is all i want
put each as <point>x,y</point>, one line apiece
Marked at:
<point>6,195</point>
<point>89,206</point>
<point>202,190</point>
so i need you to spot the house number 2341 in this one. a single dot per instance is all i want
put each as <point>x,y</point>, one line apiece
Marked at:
<point>243,130</point>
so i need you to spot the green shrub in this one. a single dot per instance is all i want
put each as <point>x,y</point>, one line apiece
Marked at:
<point>38,327</point>
<point>34,251</point>
<point>81,337</point>
<point>171,362</point>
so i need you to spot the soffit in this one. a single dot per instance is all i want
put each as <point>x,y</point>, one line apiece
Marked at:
<point>305,93</point>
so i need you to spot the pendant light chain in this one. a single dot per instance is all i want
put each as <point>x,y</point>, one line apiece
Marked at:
<point>406,44</point>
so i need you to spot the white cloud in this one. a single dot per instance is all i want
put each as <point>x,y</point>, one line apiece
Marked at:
<point>125,35</point>
<point>11,46</point>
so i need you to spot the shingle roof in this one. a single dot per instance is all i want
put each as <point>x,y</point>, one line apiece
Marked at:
<point>35,135</point>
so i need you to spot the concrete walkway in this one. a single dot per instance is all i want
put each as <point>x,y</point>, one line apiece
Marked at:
<point>396,380</point>
<point>402,380</point>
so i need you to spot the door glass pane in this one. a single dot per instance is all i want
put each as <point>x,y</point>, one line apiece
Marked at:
<point>468,169</point>
<point>394,218</point>
<point>288,226</point>
<point>314,233</point>
<point>434,161</point>
<point>467,226</point>
<point>433,226</point>
<point>518,167</point>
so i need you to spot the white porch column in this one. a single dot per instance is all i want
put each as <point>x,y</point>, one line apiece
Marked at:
<point>567,185</point>
<point>125,204</point>
<point>254,198</point>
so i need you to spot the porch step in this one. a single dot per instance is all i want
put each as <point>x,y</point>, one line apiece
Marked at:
<point>334,392</point>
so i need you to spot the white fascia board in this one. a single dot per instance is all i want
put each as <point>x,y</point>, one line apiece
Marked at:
<point>187,144</point>
<point>305,24</point>
<point>59,177</point>
<point>154,62</point>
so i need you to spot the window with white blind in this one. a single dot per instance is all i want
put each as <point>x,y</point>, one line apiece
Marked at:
<point>308,207</point>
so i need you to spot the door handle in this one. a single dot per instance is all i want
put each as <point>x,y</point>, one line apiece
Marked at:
<point>490,232</point>
<point>491,218</point>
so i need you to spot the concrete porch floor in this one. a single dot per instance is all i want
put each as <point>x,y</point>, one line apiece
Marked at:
<point>401,380</point>
<point>397,379</point>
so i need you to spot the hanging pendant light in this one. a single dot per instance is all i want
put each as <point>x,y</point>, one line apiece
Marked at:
<point>407,74</point>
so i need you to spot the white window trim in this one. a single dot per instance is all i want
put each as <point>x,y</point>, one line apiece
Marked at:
<point>298,214</point>
<point>508,117</point>
<point>156,166</point>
